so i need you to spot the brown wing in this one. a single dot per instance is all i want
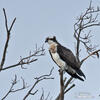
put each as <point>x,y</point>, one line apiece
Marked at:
<point>67,56</point>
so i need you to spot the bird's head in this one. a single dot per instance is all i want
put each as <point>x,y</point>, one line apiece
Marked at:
<point>51,40</point>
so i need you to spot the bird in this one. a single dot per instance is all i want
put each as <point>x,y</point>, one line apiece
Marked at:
<point>64,58</point>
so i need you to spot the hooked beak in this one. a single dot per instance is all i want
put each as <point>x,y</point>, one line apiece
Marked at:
<point>46,40</point>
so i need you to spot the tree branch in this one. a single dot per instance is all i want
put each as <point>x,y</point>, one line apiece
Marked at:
<point>61,86</point>
<point>27,60</point>
<point>7,40</point>
<point>86,20</point>
<point>69,88</point>
<point>65,86</point>
<point>91,54</point>
<point>12,90</point>
<point>68,82</point>
<point>39,79</point>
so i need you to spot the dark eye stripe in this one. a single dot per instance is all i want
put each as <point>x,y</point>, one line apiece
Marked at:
<point>50,38</point>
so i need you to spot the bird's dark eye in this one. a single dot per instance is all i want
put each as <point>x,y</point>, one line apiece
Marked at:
<point>46,39</point>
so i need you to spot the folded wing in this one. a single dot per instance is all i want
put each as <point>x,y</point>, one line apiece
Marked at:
<point>69,58</point>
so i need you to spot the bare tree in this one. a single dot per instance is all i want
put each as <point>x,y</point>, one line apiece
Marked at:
<point>38,79</point>
<point>26,60</point>
<point>12,90</point>
<point>84,22</point>
<point>23,60</point>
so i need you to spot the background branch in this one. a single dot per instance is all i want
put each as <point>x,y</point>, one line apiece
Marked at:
<point>12,90</point>
<point>39,79</point>
<point>85,21</point>
<point>8,38</point>
<point>91,54</point>
<point>42,97</point>
<point>27,60</point>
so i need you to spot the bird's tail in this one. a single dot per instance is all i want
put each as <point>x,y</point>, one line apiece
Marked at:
<point>79,72</point>
<point>76,76</point>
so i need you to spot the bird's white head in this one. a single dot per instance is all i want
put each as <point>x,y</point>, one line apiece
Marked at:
<point>51,40</point>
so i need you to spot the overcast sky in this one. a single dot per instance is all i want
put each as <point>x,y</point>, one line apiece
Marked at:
<point>37,19</point>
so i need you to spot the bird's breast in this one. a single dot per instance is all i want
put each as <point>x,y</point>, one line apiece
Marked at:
<point>58,60</point>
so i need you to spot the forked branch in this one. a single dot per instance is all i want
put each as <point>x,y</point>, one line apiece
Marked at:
<point>38,80</point>
<point>12,90</point>
<point>65,87</point>
<point>85,21</point>
<point>28,59</point>
<point>8,38</point>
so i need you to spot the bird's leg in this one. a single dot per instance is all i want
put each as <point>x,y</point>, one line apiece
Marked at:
<point>61,70</point>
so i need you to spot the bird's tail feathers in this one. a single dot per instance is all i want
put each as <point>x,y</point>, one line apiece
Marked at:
<point>79,72</point>
<point>76,76</point>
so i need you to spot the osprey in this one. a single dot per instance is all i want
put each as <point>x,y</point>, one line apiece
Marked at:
<point>64,58</point>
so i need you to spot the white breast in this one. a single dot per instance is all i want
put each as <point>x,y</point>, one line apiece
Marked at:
<point>58,60</point>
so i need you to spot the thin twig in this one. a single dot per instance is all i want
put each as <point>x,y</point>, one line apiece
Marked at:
<point>12,90</point>
<point>26,60</point>
<point>69,88</point>
<point>84,21</point>
<point>39,79</point>
<point>34,92</point>
<point>68,82</point>
<point>93,53</point>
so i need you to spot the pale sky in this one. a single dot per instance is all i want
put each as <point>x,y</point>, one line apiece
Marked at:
<point>37,19</point>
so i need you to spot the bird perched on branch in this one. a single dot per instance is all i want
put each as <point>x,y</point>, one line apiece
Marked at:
<point>64,58</point>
